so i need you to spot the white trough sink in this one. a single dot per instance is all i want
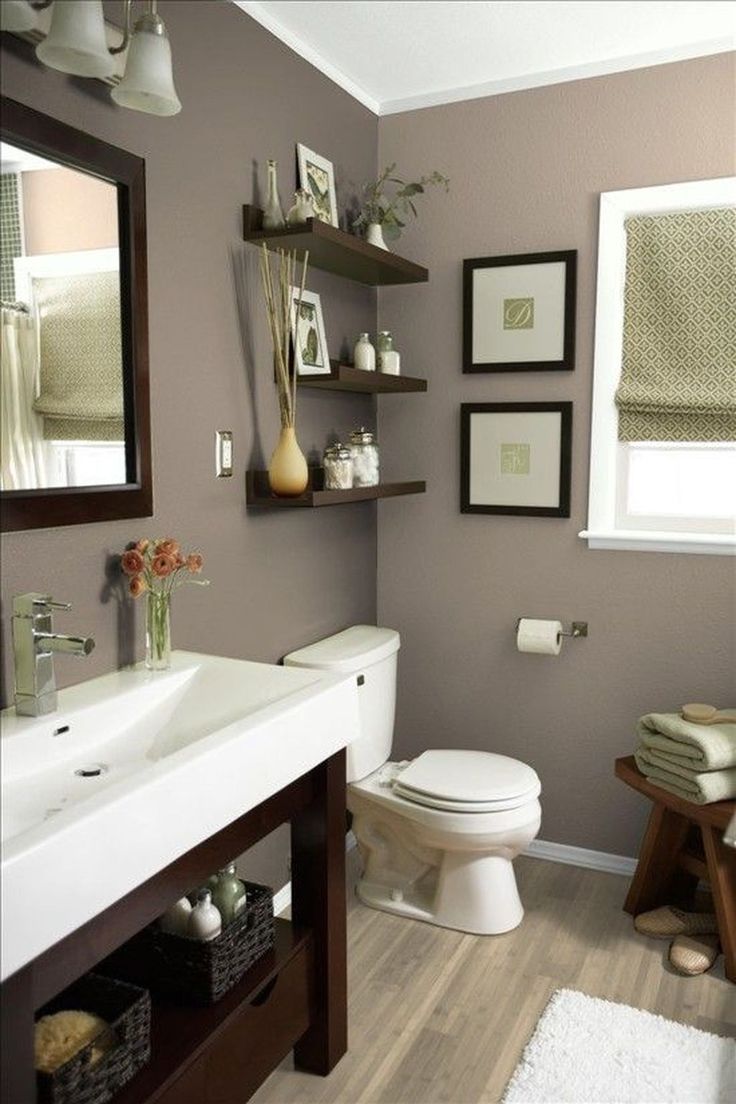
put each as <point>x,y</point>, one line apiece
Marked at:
<point>137,767</point>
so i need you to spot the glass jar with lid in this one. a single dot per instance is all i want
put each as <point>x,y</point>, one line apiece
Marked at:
<point>338,465</point>
<point>364,448</point>
<point>389,360</point>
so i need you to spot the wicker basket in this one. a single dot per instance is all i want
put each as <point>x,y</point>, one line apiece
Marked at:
<point>192,971</point>
<point>127,1009</point>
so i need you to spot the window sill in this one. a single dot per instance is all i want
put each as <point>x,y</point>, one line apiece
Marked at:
<point>636,540</point>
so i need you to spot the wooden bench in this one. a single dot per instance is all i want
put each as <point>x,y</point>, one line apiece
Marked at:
<point>683,843</point>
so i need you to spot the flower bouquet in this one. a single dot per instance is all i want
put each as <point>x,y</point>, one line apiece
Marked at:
<point>157,568</point>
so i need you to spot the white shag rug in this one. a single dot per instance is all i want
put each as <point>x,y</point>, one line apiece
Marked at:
<point>590,1051</point>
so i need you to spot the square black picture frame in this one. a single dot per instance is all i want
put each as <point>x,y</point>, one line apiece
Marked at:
<point>569,258</point>
<point>562,510</point>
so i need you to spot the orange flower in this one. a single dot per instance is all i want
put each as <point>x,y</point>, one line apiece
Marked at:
<point>194,562</point>
<point>132,562</point>
<point>137,586</point>
<point>163,564</point>
<point>180,561</point>
<point>168,547</point>
<point>142,545</point>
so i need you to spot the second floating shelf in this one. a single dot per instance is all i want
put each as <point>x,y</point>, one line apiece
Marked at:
<point>344,377</point>
<point>258,492</point>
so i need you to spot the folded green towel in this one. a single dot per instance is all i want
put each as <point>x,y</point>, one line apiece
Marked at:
<point>702,787</point>
<point>701,747</point>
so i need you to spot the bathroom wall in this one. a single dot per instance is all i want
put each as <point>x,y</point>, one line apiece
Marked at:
<point>66,210</point>
<point>526,172</point>
<point>279,580</point>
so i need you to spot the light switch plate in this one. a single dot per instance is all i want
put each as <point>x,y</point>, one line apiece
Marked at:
<point>223,453</point>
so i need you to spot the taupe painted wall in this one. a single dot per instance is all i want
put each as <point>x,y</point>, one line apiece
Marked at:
<point>526,171</point>
<point>278,580</point>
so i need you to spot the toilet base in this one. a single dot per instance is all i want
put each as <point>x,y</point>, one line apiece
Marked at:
<point>471,893</point>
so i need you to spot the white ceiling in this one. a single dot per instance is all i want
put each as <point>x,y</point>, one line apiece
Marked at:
<point>395,55</point>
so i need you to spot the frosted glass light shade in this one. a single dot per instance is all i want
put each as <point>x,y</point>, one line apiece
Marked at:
<point>76,41</point>
<point>16,16</point>
<point>148,82</point>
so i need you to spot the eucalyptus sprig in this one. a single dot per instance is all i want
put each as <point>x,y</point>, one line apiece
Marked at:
<point>392,207</point>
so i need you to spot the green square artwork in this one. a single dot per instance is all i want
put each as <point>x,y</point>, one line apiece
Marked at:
<point>515,459</point>
<point>518,314</point>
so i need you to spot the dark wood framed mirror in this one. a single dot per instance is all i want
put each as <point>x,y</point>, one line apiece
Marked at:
<point>75,383</point>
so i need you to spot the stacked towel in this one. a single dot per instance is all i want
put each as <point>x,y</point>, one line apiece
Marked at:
<point>696,762</point>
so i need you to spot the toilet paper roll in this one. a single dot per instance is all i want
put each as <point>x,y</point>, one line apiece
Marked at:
<point>539,637</point>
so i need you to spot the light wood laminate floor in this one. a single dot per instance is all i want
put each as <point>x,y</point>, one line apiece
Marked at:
<point>439,1017</point>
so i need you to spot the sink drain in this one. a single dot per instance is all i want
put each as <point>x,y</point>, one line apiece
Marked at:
<point>93,771</point>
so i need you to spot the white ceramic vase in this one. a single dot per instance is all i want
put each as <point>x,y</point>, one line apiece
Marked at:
<point>374,235</point>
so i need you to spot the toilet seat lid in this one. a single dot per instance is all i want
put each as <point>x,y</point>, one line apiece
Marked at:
<point>473,781</point>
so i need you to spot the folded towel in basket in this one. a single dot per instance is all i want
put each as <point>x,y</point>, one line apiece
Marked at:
<point>701,787</point>
<point>699,747</point>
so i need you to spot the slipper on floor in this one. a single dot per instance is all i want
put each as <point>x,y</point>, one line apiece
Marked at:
<point>668,922</point>
<point>693,955</point>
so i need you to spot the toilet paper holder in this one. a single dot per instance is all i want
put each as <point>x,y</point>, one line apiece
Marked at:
<point>577,628</point>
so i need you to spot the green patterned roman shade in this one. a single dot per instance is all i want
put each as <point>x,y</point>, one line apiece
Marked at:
<point>678,376</point>
<point>81,369</point>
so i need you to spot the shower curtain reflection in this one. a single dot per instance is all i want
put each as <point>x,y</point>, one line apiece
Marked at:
<point>25,460</point>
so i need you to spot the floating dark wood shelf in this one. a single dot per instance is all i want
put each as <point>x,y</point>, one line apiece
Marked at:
<point>335,251</point>
<point>258,492</point>
<point>180,1034</point>
<point>344,377</point>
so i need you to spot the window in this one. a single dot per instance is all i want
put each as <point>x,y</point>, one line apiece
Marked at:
<point>653,493</point>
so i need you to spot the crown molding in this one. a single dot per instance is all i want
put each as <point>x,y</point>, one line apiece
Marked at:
<point>436,98</point>
<point>308,53</point>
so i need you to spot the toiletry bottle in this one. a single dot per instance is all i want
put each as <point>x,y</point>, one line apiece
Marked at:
<point>205,921</point>
<point>229,896</point>
<point>389,360</point>
<point>175,920</point>
<point>364,355</point>
<point>273,216</point>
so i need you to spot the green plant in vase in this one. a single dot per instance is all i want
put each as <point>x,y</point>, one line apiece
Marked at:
<point>157,568</point>
<point>388,204</point>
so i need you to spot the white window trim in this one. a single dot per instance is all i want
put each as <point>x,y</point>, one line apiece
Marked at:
<point>615,208</point>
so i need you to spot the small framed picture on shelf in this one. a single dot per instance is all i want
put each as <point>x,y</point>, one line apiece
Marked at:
<point>515,458</point>
<point>519,312</point>
<point>308,335</point>
<point>317,176</point>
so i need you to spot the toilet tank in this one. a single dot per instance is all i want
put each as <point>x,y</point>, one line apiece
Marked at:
<point>370,654</point>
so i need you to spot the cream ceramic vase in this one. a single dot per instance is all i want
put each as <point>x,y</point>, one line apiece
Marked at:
<point>288,474</point>
<point>374,235</point>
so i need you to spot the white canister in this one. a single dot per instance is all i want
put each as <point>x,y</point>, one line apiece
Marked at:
<point>364,355</point>
<point>364,448</point>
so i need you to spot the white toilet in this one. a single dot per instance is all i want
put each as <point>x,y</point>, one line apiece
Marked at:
<point>438,833</point>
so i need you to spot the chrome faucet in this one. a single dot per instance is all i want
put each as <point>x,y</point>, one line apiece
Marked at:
<point>34,645</point>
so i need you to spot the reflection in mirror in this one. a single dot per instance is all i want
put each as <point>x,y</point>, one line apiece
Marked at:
<point>62,356</point>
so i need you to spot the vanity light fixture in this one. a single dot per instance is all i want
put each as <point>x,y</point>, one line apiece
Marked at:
<point>17,16</point>
<point>76,43</point>
<point>148,81</point>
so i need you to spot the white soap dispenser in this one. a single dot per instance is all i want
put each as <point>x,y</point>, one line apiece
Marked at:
<point>205,922</point>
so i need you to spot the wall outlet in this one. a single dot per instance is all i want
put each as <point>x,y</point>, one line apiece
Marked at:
<point>223,453</point>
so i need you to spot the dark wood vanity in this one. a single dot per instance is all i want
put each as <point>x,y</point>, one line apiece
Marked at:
<point>294,997</point>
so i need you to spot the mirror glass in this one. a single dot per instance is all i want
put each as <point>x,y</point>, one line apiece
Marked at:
<point>63,414</point>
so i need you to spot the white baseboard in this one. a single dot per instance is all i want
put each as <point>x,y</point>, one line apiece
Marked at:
<point>537,849</point>
<point>581,856</point>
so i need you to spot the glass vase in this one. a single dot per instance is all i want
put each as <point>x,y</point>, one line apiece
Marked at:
<point>158,631</point>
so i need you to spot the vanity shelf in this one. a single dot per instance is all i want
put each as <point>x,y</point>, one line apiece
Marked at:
<point>239,1039</point>
<point>344,377</point>
<point>336,251</point>
<point>258,492</point>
